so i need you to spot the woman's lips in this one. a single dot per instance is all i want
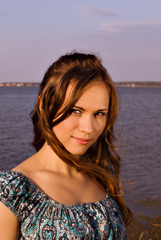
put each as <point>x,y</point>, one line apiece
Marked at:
<point>82,141</point>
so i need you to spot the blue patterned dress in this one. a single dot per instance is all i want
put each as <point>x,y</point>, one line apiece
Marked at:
<point>41,217</point>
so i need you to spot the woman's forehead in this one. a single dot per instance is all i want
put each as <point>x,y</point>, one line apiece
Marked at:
<point>95,94</point>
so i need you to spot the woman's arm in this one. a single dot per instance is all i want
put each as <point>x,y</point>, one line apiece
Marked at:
<point>9,225</point>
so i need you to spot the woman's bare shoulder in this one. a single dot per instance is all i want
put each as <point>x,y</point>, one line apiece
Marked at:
<point>27,166</point>
<point>9,225</point>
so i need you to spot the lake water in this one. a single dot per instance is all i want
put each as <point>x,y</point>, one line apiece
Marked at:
<point>138,131</point>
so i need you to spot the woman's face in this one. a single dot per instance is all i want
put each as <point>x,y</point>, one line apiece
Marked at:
<point>87,120</point>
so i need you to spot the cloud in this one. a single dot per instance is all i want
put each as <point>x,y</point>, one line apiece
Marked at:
<point>98,12</point>
<point>122,26</point>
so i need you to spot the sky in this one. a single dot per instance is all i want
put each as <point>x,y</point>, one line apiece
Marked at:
<point>126,35</point>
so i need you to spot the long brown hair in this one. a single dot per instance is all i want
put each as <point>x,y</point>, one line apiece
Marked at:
<point>101,161</point>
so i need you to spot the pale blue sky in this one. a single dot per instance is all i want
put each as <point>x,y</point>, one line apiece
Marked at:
<point>125,33</point>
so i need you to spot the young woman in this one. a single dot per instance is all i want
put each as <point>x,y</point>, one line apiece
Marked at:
<point>70,189</point>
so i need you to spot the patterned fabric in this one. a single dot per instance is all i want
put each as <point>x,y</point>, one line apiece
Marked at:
<point>41,217</point>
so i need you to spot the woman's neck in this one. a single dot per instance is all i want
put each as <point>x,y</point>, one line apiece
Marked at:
<point>49,160</point>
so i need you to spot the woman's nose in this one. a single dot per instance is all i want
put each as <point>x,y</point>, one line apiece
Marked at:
<point>86,124</point>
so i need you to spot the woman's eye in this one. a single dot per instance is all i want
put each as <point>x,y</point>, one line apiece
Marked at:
<point>100,114</point>
<point>75,111</point>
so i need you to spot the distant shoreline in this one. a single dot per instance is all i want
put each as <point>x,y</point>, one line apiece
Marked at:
<point>117,84</point>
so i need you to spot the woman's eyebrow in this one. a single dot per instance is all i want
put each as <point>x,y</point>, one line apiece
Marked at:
<point>79,107</point>
<point>99,110</point>
<point>104,109</point>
